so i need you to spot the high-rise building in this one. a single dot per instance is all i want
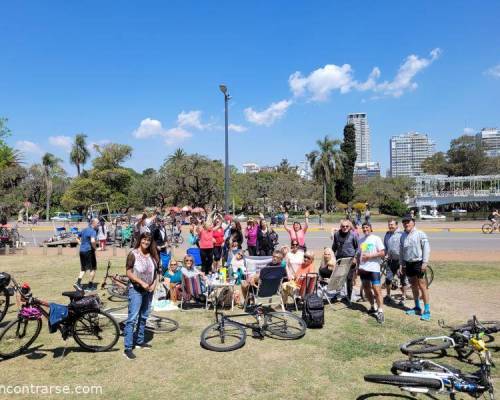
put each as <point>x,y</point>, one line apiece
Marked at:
<point>490,139</point>
<point>408,151</point>
<point>360,122</point>
<point>366,171</point>
<point>250,168</point>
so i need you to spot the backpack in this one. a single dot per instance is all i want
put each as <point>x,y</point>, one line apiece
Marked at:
<point>224,298</point>
<point>313,312</point>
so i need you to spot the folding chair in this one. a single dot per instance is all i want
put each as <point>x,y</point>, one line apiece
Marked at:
<point>338,279</point>
<point>191,288</point>
<point>196,254</point>
<point>270,279</point>
<point>253,264</point>
<point>165,260</point>
<point>308,285</point>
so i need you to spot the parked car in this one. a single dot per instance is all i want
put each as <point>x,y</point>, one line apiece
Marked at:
<point>67,217</point>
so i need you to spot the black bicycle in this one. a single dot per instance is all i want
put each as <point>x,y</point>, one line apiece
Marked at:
<point>228,334</point>
<point>396,280</point>
<point>93,329</point>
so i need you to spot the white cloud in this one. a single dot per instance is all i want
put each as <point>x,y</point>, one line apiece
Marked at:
<point>494,71</point>
<point>29,147</point>
<point>469,131</point>
<point>152,127</point>
<point>191,119</point>
<point>319,84</point>
<point>61,141</point>
<point>271,114</point>
<point>176,135</point>
<point>148,128</point>
<point>237,128</point>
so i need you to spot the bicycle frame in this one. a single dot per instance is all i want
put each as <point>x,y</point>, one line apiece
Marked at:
<point>114,278</point>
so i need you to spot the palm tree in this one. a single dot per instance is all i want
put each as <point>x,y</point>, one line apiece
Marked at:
<point>178,155</point>
<point>79,153</point>
<point>326,163</point>
<point>50,166</point>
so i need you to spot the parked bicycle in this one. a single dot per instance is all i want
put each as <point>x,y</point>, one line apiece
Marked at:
<point>490,227</point>
<point>396,280</point>
<point>228,334</point>
<point>459,339</point>
<point>6,292</point>
<point>116,285</point>
<point>93,329</point>
<point>154,323</point>
<point>426,376</point>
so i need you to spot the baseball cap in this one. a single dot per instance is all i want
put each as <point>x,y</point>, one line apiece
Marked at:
<point>408,217</point>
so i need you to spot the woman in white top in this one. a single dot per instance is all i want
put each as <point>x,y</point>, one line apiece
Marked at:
<point>102,234</point>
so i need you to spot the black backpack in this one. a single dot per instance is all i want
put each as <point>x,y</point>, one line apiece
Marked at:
<point>313,312</point>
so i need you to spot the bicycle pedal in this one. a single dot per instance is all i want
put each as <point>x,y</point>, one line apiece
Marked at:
<point>257,335</point>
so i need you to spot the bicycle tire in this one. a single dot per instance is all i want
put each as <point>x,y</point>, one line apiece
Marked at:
<point>218,343</point>
<point>491,324</point>
<point>404,381</point>
<point>4,302</point>
<point>420,346</point>
<point>284,325</point>
<point>95,328</point>
<point>117,291</point>
<point>12,333</point>
<point>429,276</point>
<point>419,365</point>
<point>487,228</point>
<point>157,324</point>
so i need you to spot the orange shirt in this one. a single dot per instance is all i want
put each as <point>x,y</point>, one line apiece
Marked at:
<point>302,271</point>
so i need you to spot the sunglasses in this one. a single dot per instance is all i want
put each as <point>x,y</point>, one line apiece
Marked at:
<point>188,261</point>
<point>307,258</point>
<point>294,245</point>
<point>344,226</point>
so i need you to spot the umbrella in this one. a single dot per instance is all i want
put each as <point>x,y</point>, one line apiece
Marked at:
<point>198,210</point>
<point>186,208</point>
<point>175,209</point>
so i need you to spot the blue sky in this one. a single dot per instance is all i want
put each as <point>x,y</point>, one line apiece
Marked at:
<point>147,74</point>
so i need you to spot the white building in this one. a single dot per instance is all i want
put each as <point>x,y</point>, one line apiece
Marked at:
<point>304,170</point>
<point>490,139</point>
<point>363,149</point>
<point>250,168</point>
<point>408,151</point>
<point>365,171</point>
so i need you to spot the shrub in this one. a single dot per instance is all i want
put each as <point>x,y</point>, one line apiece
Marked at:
<point>393,207</point>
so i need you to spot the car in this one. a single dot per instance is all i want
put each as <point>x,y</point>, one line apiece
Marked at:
<point>67,217</point>
<point>242,217</point>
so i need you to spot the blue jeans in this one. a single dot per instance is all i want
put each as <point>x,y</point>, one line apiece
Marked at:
<point>139,304</point>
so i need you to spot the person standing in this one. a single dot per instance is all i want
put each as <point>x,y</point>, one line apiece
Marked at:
<point>88,260</point>
<point>370,257</point>
<point>296,232</point>
<point>218,234</point>
<point>346,245</point>
<point>102,234</point>
<point>251,232</point>
<point>368,215</point>
<point>265,240</point>
<point>142,267</point>
<point>414,253</point>
<point>392,240</point>
<point>206,242</point>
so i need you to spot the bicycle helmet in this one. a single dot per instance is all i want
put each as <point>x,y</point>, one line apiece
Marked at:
<point>30,313</point>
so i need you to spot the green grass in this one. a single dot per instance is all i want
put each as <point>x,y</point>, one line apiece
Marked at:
<point>466,271</point>
<point>327,363</point>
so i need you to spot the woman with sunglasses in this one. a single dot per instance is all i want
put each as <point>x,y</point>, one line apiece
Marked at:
<point>188,269</point>
<point>172,279</point>
<point>296,232</point>
<point>142,266</point>
<point>294,259</point>
<point>206,243</point>
<point>296,277</point>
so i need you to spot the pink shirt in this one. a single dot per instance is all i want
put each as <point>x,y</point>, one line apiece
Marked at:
<point>299,236</point>
<point>251,235</point>
<point>206,239</point>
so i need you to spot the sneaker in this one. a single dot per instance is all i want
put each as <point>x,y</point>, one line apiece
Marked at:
<point>78,287</point>
<point>129,354</point>
<point>414,311</point>
<point>380,317</point>
<point>372,311</point>
<point>145,346</point>
<point>387,300</point>
<point>426,316</point>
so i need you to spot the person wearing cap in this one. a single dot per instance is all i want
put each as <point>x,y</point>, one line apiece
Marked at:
<point>414,253</point>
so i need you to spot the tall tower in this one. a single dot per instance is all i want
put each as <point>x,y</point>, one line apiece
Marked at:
<point>360,122</point>
<point>407,153</point>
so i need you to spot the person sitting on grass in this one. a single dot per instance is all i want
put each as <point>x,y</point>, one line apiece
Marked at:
<point>172,279</point>
<point>297,276</point>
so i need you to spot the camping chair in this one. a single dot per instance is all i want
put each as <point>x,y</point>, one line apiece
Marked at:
<point>309,285</point>
<point>196,254</point>
<point>191,289</point>
<point>270,279</point>
<point>253,264</point>
<point>165,260</point>
<point>338,279</point>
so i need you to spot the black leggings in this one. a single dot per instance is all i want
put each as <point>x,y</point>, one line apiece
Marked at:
<point>252,250</point>
<point>207,258</point>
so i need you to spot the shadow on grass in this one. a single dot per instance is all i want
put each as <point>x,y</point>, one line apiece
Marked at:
<point>389,396</point>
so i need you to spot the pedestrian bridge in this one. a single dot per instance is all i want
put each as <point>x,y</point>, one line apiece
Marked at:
<point>438,190</point>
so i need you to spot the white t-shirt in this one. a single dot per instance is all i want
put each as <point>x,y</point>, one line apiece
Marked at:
<point>293,262</point>
<point>371,244</point>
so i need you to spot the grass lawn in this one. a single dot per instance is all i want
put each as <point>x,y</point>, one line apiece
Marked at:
<point>326,364</point>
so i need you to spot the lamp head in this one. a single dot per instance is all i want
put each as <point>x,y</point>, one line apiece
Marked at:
<point>223,89</point>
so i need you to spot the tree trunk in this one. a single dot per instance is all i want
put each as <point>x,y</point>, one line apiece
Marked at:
<point>324,197</point>
<point>78,169</point>
<point>49,194</point>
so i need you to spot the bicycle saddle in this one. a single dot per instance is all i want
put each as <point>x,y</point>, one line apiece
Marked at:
<point>74,295</point>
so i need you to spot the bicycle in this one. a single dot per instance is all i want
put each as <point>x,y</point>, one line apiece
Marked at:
<point>396,280</point>
<point>459,339</point>
<point>227,334</point>
<point>175,239</point>
<point>154,323</point>
<point>490,227</point>
<point>93,329</point>
<point>426,376</point>
<point>118,287</point>
<point>6,293</point>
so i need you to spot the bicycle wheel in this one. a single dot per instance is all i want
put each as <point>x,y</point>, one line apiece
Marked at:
<point>229,337</point>
<point>157,324</point>
<point>425,345</point>
<point>118,291</point>
<point>429,276</point>
<point>405,381</point>
<point>4,302</point>
<point>419,365</point>
<point>491,326</point>
<point>95,330</point>
<point>284,325</point>
<point>487,228</point>
<point>18,335</point>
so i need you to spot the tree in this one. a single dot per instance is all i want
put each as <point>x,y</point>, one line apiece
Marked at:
<point>50,167</point>
<point>436,164</point>
<point>178,155</point>
<point>111,156</point>
<point>326,164</point>
<point>79,153</point>
<point>344,187</point>
<point>285,167</point>
<point>9,157</point>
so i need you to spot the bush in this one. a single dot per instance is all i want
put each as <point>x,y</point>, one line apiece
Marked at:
<point>393,207</point>
<point>359,206</point>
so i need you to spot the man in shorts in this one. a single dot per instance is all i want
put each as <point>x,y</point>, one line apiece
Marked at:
<point>392,240</point>
<point>370,257</point>
<point>414,255</point>
<point>88,260</point>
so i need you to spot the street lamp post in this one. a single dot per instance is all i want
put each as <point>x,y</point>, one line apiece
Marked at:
<point>223,89</point>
